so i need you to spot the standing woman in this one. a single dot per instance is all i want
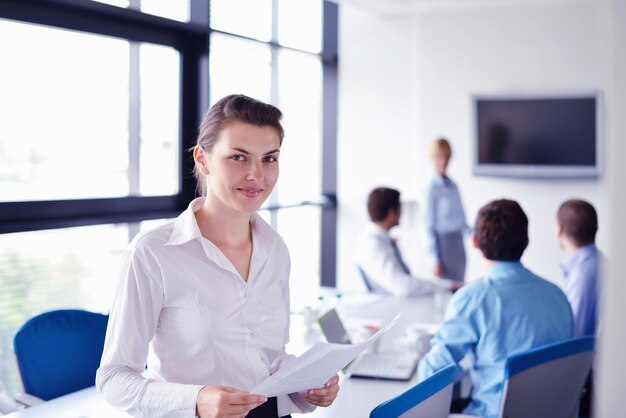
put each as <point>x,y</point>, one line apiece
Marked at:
<point>204,299</point>
<point>445,217</point>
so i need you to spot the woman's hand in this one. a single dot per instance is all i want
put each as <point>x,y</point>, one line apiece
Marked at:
<point>438,270</point>
<point>224,401</point>
<point>323,396</point>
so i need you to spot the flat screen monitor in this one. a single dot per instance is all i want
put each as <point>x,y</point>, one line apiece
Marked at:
<point>538,136</point>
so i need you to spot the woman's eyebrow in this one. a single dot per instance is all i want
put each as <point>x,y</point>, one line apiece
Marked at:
<point>243,151</point>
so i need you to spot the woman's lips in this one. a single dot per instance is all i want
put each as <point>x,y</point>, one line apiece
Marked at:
<point>250,191</point>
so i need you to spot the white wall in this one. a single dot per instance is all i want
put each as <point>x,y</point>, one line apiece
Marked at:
<point>376,119</point>
<point>612,364</point>
<point>405,81</point>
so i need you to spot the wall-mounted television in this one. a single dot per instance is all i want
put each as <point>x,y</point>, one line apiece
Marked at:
<point>538,136</point>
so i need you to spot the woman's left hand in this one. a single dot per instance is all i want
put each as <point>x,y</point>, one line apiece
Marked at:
<point>323,396</point>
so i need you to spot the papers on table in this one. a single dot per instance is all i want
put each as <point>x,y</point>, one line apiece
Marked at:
<point>313,368</point>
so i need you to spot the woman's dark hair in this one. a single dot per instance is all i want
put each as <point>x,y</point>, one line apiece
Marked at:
<point>229,109</point>
<point>380,200</point>
<point>502,230</point>
<point>579,221</point>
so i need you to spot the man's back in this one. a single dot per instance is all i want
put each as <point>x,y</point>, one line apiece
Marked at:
<point>581,272</point>
<point>509,311</point>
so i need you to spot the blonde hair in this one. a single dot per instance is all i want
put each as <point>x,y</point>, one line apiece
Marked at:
<point>440,145</point>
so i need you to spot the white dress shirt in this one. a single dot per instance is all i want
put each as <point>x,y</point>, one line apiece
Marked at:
<point>374,254</point>
<point>183,309</point>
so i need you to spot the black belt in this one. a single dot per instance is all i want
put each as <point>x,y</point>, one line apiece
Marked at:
<point>268,410</point>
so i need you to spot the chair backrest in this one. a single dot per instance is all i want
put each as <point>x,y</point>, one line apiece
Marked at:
<point>430,398</point>
<point>368,285</point>
<point>58,352</point>
<point>547,382</point>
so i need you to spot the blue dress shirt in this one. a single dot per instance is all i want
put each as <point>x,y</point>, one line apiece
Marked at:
<point>444,211</point>
<point>582,287</point>
<point>509,311</point>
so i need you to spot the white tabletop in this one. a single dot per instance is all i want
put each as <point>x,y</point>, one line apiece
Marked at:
<point>85,403</point>
<point>357,397</point>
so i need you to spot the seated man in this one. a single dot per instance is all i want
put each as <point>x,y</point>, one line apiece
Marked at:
<point>510,310</point>
<point>576,232</point>
<point>378,257</point>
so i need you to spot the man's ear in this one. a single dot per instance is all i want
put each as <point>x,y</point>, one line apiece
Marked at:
<point>474,240</point>
<point>559,230</point>
<point>198,157</point>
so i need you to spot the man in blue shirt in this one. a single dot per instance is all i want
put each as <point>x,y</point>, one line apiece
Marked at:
<point>577,224</point>
<point>576,232</point>
<point>509,311</point>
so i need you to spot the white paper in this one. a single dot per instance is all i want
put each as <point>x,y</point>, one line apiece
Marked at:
<point>313,368</point>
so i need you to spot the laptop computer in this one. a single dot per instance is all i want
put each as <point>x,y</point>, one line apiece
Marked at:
<point>390,366</point>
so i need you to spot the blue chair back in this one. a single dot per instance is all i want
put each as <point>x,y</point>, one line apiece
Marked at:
<point>430,398</point>
<point>58,352</point>
<point>547,382</point>
<point>368,285</point>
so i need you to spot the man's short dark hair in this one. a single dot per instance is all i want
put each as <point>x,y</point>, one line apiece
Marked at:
<point>579,221</point>
<point>380,200</point>
<point>502,230</point>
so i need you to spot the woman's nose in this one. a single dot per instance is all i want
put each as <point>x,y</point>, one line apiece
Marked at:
<point>255,171</point>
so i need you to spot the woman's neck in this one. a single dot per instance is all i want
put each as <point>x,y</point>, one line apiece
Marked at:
<point>222,225</point>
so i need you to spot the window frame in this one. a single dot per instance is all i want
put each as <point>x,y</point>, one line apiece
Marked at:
<point>191,40</point>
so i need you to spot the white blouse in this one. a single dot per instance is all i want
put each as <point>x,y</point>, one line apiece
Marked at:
<point>183,305</point>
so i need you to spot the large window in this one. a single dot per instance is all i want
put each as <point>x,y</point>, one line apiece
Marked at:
<point>67,98</point>
<point>99,101</point>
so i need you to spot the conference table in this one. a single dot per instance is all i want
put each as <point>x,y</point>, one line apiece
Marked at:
<point>356,398</point>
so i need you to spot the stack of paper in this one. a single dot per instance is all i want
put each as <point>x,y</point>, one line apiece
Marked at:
<point>313,368</point>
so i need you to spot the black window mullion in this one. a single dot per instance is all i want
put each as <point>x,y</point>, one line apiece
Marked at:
<point>103,19</point>
<point>328,256</point>
<point>191,39</point>
<point>34,215</point>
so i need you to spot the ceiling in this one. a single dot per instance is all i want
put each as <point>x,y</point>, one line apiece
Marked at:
<point>407,7</point>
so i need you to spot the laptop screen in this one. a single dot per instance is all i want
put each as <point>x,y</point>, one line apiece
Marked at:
<point>333,329</point>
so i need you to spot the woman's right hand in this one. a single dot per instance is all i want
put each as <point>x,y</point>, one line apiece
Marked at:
<point>224,401</point>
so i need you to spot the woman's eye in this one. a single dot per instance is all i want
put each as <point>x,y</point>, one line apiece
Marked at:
<point>270,159</point>
<point>238,157</point>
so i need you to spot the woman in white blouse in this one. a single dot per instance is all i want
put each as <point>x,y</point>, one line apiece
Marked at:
<point>204,300</point>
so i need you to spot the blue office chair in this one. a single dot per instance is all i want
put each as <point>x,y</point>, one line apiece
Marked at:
<point>58,352</point>
<point>547,381</point>
<point>428,399</point>
<point>366,281</point>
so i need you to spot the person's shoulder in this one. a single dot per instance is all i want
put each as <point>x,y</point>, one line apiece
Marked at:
<point>370,241</point>
<point>547,285</point>
<point>152,238</point>
<point>434,181</point>
<point>267,234</point>
<point>475,290</point>
<point>591,255</point>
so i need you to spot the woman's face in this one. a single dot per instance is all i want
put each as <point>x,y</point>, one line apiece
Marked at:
<point>441,160</point>
<point>242,168</point>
